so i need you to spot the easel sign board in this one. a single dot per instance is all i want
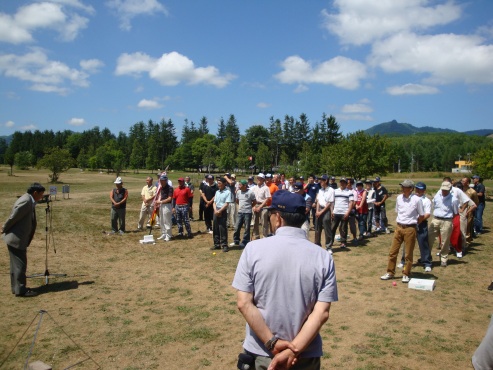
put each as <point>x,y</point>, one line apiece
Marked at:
<point>53,190</point>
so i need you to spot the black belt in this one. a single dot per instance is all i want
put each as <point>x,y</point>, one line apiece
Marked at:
<point>444,218</point>
<point>404,226</point>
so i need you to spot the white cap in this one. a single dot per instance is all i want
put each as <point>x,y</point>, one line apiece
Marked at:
<point>261,175</point>
<point>118,180</point>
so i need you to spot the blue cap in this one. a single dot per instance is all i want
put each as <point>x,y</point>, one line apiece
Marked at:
<point>285,201</point>
<point>163,177</point>
<point>297,186</point>
<point>324,177</point>
<point>377,179</point>
<point>421,185</point>
<point>475,177</point>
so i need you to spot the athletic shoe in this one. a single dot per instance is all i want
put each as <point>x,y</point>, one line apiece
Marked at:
<point>438,254</point>
<point>225,249</point>
<point>427,269</point>
<point>242,246</point>
<point>400,265</point>
<point>162,237</point>
<point>343,246</point>
<point>459,254</point>
<point>405,279</point>
<point>443,263</point>
<point>215,247</point>
<point>329,250</point>
<point>387,276</point>
<point>210,232</point>
<point>387,231</point>
<point>180,234</point>
<point>234,244</point>
<point>378,229</point>
<point>167,238</point>
<point>121,232</point>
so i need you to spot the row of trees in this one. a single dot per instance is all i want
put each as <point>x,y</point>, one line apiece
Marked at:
<point>292,145</point>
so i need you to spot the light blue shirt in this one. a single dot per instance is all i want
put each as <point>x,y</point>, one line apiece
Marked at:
<point>222,197</point>
<point>445,207</point>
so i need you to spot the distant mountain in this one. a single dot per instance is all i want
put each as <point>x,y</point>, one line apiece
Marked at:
<point>398,128</point>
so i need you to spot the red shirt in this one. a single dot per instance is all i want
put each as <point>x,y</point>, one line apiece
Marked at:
<point>181,195</point>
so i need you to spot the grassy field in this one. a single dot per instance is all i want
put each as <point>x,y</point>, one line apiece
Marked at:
<point>124,305</point>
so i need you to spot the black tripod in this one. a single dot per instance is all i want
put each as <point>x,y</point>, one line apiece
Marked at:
<point>48,212</point>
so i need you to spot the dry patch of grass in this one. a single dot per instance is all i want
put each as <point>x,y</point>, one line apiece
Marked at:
<point>171,305</point>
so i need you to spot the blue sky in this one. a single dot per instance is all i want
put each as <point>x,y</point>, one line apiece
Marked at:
<point>75,64</point>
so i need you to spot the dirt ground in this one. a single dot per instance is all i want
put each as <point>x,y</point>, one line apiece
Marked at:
<point>125,305</point>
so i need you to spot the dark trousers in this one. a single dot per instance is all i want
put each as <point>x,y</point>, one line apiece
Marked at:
<point>18,268</point>
<point>220,230</point>
<point>118,219</point>
<point>424,246</point>
<point>339,219</point>
<point>324,223</point>
<point>201,209</point>
<point>381,216</point>
<point>208,216</point>
<point>242,219</point>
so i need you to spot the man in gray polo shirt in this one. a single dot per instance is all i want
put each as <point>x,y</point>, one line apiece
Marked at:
<point>245,199</point>
<point>285,270</point>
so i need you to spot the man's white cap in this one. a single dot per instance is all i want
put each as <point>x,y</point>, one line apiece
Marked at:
<point>118,180</point>
<point>261,175</point>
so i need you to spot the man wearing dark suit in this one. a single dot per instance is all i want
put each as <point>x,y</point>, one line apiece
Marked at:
<point>18,231</point>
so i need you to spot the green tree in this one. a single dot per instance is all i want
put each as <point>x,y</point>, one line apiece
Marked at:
<point>226,155</point>
<point>57,161</point>
<point>9,158</point>
<point>263,158</point>
<point>23,160</point>
<point>483,162</point>
<point>359,155</point>
<point>243,154</point>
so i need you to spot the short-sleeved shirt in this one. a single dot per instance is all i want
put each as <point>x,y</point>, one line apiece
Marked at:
<point>325,196</point>
<point>480,189</point>
<point>222,197</point>
<point>245,199</point>
<point>148,192</point>
<point>285,271</point>
<point>408,209</point>
<point>445,207</point>
<point>380,193</point>
<point>181,195</point>
<point>272,189</point>
<point>313,189</point>
<point>341,200</point>
<point>261,193</point>
<point>209,190</point>
<point>426,204</point>
<point>166,192</point>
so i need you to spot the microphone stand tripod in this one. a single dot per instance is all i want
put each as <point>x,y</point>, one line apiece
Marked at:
<point>47,274</point>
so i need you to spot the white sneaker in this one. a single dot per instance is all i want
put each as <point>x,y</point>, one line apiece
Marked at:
<point>400,265</point>
<point>405,279</point>
<point>427,269</point>
<point>210,232</point>
<point>459,254</point>
<point>233,244</point>
<point>387,276</point>
<point>162,237</point>
<point>167,238</point>
<point>387,231</point>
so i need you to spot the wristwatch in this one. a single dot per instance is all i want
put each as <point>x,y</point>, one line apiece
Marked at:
<point>271,343</point>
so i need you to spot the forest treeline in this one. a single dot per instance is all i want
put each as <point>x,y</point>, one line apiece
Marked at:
<point>291,145</point>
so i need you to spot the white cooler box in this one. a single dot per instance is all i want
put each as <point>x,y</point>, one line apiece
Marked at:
<point>422,284</point>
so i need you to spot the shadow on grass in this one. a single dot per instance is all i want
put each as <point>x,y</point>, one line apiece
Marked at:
<point>61,286</point>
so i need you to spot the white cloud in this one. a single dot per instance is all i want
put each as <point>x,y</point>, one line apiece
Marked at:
<point>412,89</point>
<point>171,69</point>
<point>301,89</point>
<point>340,71</point>
<point>28,128</point>
<point>354,117</point>
<point>149,104</point>
<point>356,108</point>
<point>91,65</point>
<point>9,124</point>
<point>76,121</point>
<point>55,14</point>
<point>43,74</point>
<point>126,10</point>
<point>263,105</point>
<point>442,59</point>
<point>361,22</point>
